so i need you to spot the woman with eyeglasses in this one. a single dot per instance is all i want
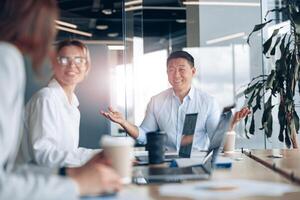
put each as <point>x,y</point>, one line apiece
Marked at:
<point>52,117</point>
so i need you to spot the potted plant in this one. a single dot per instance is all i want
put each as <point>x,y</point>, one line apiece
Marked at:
<point>282,81</point>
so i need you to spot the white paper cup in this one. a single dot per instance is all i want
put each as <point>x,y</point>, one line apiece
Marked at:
<point>276,153</point>
<point>120,151</point>
<point>229,144</point>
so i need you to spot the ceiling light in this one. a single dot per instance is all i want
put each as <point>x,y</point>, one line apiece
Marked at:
<point>133,8</point>
<point>134,2</point>
<point>116,47</point>
<point>67,24</point>
<point>227,37</point>
<point>221,3</point>
<point>74,31</point>
<point>107,11</point>
<point>102,27</point>
<point>113,34</point>
<point>181,21</point>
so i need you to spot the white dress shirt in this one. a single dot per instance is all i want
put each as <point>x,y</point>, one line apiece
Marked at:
<point>27,184</point>
<point>52,129</point>
<point>166,113</point>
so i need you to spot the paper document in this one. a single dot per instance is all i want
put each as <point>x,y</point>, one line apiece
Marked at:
<point>194,161</point>
<point>226,189</point>
<point>140,153</point>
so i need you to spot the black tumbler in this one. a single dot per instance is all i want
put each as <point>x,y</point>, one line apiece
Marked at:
<point>156,147</point>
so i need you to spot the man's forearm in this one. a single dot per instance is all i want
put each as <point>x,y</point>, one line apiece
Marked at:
<point>131,129</point>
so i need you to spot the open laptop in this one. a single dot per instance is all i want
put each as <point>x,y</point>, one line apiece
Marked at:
<point>185,149</point>
<point>203,170</point>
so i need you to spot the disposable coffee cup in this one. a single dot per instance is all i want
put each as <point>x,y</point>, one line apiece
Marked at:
<point>156,147</point>
<point>229,144</point>
<point>120,151</point>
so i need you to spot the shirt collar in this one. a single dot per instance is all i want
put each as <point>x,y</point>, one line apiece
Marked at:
<point>59,91</point>
<point>190,95</point>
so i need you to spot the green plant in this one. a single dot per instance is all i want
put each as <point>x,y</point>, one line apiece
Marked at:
<point>282,80</point>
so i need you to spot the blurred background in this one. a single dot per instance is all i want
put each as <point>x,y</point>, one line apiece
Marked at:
<point>130,41</point>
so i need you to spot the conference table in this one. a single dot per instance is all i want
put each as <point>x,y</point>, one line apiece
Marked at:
<point>283,161</point>
<point>243,167</point>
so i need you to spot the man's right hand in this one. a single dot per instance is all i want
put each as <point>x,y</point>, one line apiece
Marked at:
<point>117,117</point>
<point>114,116</point>
<point>95,177</point>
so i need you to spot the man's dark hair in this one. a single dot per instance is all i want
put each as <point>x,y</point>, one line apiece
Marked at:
<point>181,54</point>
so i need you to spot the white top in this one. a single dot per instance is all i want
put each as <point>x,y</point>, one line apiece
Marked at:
<point>166,113</point>
<point>28,184</point>
<point>52,129</point>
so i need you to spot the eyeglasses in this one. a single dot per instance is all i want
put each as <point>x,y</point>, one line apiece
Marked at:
<point>78,61</point>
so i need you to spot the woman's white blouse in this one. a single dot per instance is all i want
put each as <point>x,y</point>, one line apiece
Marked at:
<point>52,129</point>
<point>30,183</point>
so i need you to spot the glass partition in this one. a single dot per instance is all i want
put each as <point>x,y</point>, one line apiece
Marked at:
<point>214,33</point>
<point>131,39</point>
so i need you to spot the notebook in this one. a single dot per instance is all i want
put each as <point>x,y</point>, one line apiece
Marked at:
<point>204,168</point>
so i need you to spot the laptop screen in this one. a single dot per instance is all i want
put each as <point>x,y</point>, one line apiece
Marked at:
<point>188,135</point>
<point>217,137</point>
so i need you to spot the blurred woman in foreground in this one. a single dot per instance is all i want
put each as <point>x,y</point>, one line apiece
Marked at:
<point>27,29</point>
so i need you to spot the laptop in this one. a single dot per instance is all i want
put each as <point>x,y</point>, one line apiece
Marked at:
<point>204,168</point>
<point>185,149</point>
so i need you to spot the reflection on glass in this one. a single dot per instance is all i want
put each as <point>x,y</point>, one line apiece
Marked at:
<point>150,78</point>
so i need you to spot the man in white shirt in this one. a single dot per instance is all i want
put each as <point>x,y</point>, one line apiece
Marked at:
<point>166,111</point>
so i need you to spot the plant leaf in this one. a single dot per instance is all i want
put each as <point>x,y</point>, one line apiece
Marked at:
<point>296,66</point>
<point>251,99</point>
<point>267,44</point>
<point>295,17</point>
<point>287,138</point>
<point>296,121</point>
<point>282,121</point>
<point>280,136</point>
<point>252,126</point>
<point>245,121</point>
<point>282,44</point>
<point>270,80</point>
<point>269,126</point>
<point>257,105</point>
<point>273,51</point>
<point>275,10</point>
<point>251,88</point>
<point>258,27</point>
<point>267,119</point>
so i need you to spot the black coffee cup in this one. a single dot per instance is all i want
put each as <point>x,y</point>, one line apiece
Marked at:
<point>156,147</point>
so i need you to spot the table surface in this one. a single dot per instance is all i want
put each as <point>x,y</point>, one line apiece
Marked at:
<point>289,163</point>
<point>243,168</point>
